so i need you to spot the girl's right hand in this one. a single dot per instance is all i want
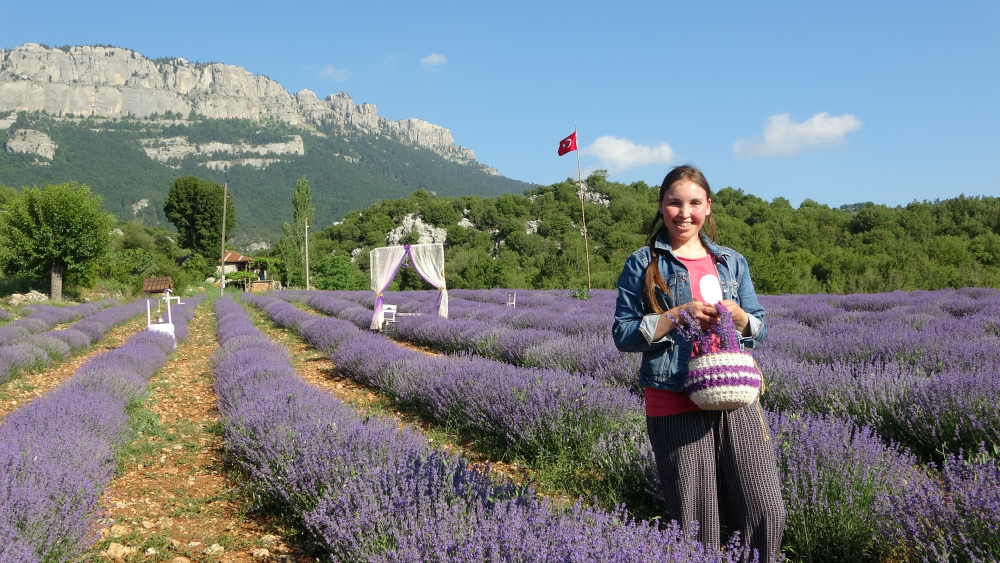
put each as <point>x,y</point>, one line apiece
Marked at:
<point>706,314</point>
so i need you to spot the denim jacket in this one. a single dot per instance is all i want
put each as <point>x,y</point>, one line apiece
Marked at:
<point>665,361</point>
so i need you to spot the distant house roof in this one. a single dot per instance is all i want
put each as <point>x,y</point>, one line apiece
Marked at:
<point>157,285</point>
<point>235,257</point>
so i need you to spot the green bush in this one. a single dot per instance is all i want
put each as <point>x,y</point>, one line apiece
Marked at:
<point>335,271</point>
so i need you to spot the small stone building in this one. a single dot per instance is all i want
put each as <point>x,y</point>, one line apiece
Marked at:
<point>234,262</point>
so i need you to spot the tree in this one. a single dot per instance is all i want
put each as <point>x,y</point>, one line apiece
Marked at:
<point>7,193</point>
<point>58,229</point>
<point>292,244</point>
<point>194,206</point>
<point>130,266</point>
<point>335,271</point>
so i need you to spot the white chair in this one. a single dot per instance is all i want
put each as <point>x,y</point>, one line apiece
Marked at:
<point>388,313</point>
<point>511,298</point>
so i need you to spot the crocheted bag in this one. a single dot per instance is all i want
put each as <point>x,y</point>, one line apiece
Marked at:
<point>720,375</point>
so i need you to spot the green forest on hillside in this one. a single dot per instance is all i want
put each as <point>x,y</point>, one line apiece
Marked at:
<point>516,234</point>
<point>814,248</point>
<point>534,241</point>
<point>108,156</point>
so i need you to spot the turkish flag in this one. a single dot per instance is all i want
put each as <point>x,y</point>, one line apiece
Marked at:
<point>568,144</point>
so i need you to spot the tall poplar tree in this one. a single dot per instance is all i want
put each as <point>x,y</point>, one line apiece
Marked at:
<point>292,245</point>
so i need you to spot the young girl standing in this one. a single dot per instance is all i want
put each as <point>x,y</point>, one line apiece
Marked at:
<point>706,460</point>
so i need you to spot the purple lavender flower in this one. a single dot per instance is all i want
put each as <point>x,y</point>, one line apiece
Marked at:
<point>73,338</point>
<point>833,472</point>
<point>952,515</point>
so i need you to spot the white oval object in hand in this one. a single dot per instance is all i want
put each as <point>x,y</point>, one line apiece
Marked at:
<point>711,289</point>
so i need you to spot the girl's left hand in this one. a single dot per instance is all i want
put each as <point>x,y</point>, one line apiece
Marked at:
<point>740,318</point>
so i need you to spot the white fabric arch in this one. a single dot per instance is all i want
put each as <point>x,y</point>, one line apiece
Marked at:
<point>427,260</point>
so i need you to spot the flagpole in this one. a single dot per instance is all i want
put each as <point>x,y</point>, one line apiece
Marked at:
<point>583,214</point>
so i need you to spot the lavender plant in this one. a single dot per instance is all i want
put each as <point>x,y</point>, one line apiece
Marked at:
<point>370,492</point>
<point>951,515</point>
<point>57,452</point>
<point>575,341</point>
<point>833,470</point>
<point>28,349</point>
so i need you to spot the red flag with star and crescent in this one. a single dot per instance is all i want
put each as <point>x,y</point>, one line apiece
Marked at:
<point>568,144</point>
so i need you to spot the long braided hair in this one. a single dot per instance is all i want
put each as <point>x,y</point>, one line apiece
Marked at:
<point>653,279</point>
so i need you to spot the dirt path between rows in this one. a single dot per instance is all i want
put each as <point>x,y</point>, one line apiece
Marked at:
<point>176,500</point>
<point>26,387</point>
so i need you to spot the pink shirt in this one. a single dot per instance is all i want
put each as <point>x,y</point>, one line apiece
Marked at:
<point>660,402</point>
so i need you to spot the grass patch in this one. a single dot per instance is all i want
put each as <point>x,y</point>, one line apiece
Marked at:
<point>145,436</point>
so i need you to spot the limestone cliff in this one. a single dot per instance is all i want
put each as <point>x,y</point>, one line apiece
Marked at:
<point>177,148</point>
<point>115,82</point>
<point>30,141</point>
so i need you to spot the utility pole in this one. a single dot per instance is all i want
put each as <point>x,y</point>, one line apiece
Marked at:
<point>307,253</point>
<point>222,259</point>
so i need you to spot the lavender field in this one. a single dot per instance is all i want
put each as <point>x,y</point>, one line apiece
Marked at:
<point>882,410</point>
<point>884,407</point>
<point>369,492</point>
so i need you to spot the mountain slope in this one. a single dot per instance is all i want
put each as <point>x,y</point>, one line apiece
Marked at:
<point>127,126</point>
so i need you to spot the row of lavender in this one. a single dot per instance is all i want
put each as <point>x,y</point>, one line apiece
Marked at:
<point>921,367</point>
<point>519,412</point>
<point>24,350</point>
<point>839,480</point>
<point>550,310</point>
<point>38,318</point>
<point>29,343</point>
<point>545,329</point>
<point>368,491</point>
<point>57,453</point>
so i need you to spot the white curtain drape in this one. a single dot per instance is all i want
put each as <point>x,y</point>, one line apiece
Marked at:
<point>428,260</point>
<point>385,262</point>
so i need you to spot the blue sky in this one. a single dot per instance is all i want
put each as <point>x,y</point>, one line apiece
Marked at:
<point>838,102</point>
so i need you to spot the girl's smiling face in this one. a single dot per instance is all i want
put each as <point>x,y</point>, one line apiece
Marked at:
<point>685,206</point>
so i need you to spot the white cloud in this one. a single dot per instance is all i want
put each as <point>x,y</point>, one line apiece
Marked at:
<point>621,154</point>
<point>334,74</point>
<point>434,61</point>
<point>389,61</point>
<point>784,137</point>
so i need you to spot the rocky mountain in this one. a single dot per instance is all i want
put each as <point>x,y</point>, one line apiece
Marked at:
<point>127,125</point>
<point>115,82</point>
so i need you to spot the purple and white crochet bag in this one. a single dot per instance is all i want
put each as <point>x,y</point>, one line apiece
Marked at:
<point>721,376</point>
